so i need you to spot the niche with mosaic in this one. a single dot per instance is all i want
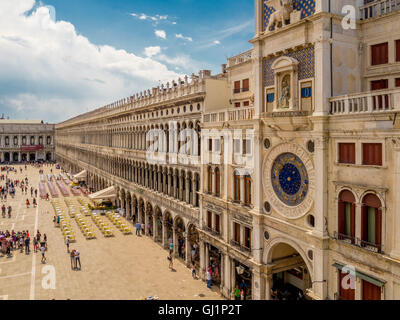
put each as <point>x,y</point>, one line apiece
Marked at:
<point>288,81</point>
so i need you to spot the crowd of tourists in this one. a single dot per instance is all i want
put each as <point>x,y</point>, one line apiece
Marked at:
<point>21,240</point>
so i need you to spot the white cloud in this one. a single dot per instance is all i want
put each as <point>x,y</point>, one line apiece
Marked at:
<point>155,19</point>
<point>217,42</point>
<point>161,34</point>
<point>50,72</point>
<point>152,51</point>
<point>180,36</point>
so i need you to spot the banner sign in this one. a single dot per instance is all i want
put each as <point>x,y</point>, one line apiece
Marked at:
<point>32,148</point>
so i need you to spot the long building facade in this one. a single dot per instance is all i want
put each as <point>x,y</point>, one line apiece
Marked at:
<point>289,177</point>
<point>26,140</point>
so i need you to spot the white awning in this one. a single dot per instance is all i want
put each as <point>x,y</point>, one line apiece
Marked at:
<point>109,193</point>
<point>81,175</point>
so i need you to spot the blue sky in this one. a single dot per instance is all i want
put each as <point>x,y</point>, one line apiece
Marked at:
<point>98,51</point>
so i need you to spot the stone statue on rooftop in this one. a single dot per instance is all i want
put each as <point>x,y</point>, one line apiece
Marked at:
<point>282,14</point>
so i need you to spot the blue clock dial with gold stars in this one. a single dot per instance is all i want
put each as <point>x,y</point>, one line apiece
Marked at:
<point>290,179</point>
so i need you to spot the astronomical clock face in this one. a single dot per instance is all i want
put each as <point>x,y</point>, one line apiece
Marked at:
<point>290,179</point>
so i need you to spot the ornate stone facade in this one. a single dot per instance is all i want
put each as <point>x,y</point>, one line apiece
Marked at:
<point>24,140</point>
<point>301,103</point>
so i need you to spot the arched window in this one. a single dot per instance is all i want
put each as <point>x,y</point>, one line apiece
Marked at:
<point>346,216</point>
<point>32,140</point>
<point>217,182</point>
<point>7,141</point>
<point>209,180</point>
<point>371,222</point>
<point>247,189</point>
<point>236,187</point>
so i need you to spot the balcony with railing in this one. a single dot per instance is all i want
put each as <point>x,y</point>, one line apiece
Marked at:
<point>234,114</point>
<point>376,8</point>
<point>374,247</point>
<point>240,58</point>
<point>212,231</point>
<point>366,102</point>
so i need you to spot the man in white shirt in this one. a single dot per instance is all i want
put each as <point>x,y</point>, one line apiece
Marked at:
<point>77,259</point>
<point>43,250</point>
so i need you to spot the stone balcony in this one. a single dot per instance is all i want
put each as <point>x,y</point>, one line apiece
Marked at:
<point>235,114</point>
<point>379,101</point>
<point>378,8</point>
<point>240,58</point>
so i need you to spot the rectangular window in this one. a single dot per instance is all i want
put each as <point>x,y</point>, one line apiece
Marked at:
<point>247,238</point>
<point>397,82</point>
<point>217,222</point>
<point>378,100</point>
<point>246,103</point>
<point>237,104</point>
<point>372,154</point>
<point>246,146</point>
<point>371,225</point>
<point>379,54</point>
<point>236,146</point>
<point>370,291</point>
<point>210,145</point>
<point>246,86</point>
<point>217,145</point>
<point>347,219</point>
<point>306,92</point>
<point>236,183</point>
<point>236,232</point>
<point>209,219</point>
<point>247,190</point>
<point>347,153</point>
<point>236,87</point>
<point>270,97</point>
<point>397,50</point>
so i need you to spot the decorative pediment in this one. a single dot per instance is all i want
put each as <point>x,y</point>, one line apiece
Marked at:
<point>284,64</point>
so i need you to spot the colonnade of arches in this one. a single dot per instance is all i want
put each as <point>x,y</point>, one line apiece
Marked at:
<point>135,137</point>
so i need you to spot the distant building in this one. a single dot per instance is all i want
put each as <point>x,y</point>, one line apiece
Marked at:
<point>26,140</point>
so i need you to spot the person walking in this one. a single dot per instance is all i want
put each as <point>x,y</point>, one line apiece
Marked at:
<point>77,259</point>
<point>67,244</point>
<point>209,278</point>
<point>35,245</point>
<point>194,271</point>
<point>143,230</point>
<point>138,229</point>
<point>43,251</point>
<point>72,256</point>
<point>236,292</point>
<point>27,249</point>
<point>171,263</point>
<point>171,247</point>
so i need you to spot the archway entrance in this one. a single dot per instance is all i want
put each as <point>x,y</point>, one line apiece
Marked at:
<point>168,225</point>
<point>15,157</point>
<point>149,222</point>
<point>158,217</point>
<point>32,157</point>
<point>48,156</point>
<point>7,157</point>
<point>193,238</point>
<point>180,238</point>
<point>290,275</point>
<point>141,211</point>
<point>215,256</point>
<point>24,157</point>
<point>243,279</point>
